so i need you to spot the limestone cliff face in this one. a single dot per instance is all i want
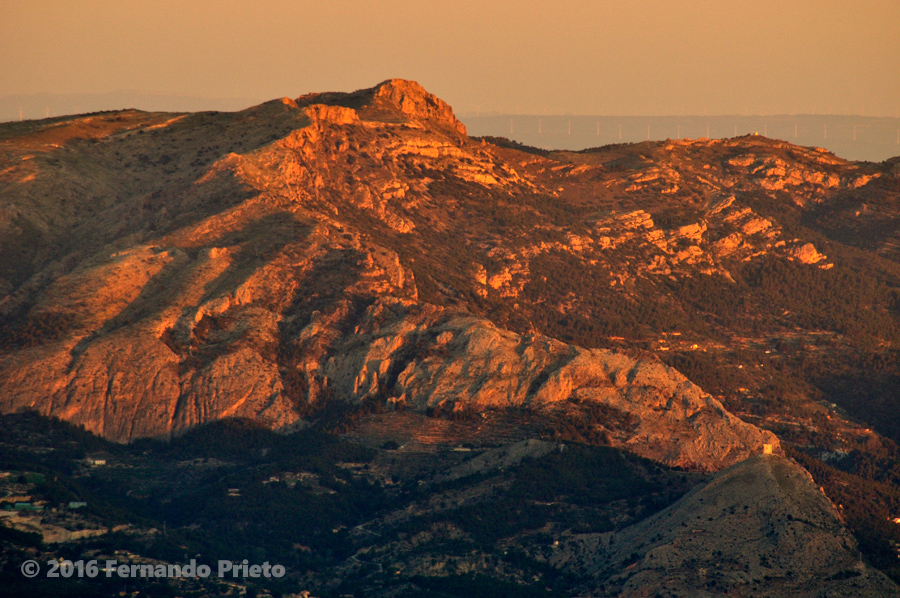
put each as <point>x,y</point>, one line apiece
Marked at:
<point>166,270</point>
<point>412,99</point>
<point>423,358</point>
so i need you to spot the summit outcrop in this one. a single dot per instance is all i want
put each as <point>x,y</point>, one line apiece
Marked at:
<point>400,96</point>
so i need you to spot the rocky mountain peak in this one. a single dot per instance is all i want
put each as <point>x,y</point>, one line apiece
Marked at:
<point>389,99</point>
<point>412,99</point>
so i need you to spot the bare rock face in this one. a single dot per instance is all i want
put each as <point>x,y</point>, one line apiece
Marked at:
<point>336,115</point>
<point>807,254</point>
<point>412,99</point>
<point>426,359</point>
<point>760,528</point>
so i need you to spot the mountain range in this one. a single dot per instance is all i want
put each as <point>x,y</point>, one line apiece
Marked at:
<point>355,262</point>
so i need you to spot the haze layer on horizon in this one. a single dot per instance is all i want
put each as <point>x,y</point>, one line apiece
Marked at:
<point>577,57</point>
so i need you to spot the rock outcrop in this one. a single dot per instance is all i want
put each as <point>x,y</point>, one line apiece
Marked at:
<point>425,359</point>
<point>412,100</point>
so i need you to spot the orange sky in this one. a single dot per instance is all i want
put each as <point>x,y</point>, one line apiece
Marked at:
<point>529,56</point>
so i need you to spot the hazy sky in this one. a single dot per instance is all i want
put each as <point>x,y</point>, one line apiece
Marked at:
<point>535,56</point>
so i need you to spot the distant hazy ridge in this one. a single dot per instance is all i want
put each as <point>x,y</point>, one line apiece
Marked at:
<point>851,137</point>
